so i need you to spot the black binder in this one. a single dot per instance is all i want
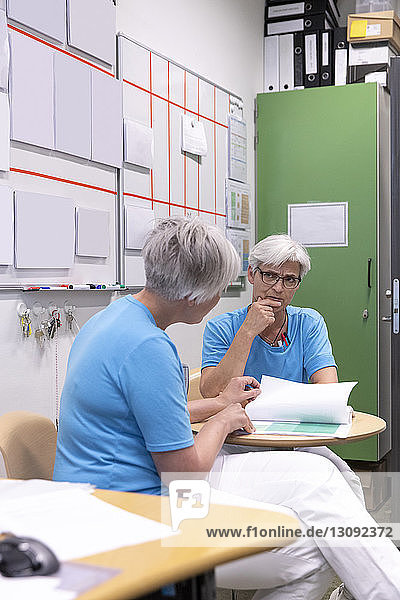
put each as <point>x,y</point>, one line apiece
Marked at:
<point>290,25</point>
<point>326,57</point>
<point>298,59</point>
<point>340,55</point>
<point>311,60</point>
<point>288,8</point>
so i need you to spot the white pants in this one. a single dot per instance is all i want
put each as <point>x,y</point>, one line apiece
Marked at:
<point>315,490</point>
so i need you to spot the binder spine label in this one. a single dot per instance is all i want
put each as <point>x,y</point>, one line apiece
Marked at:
<point>325,49</point>
<point>311,53</point>
<point>285,10</point>
<point>285,26</point>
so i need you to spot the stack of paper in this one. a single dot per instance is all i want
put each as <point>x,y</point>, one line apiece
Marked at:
<point>291,408</point>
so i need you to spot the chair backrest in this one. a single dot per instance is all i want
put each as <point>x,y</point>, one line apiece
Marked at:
<point>194,383</point>
<point>28,445</point>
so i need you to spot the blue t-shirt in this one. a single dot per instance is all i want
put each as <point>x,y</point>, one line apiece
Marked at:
<point>124,396</point>
<point>309,347</point>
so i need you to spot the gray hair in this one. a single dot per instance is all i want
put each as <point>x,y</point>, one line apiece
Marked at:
<point>275,250</point>
<point>186,258</point>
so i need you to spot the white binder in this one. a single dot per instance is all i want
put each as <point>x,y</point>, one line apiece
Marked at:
<point>271,63</point>
<point>286,66</point>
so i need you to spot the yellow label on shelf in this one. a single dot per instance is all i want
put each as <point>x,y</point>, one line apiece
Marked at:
<point>358,28</point>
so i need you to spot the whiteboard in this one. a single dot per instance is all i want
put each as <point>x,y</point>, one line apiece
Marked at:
<point>156,93</point>
<point>45,16</point>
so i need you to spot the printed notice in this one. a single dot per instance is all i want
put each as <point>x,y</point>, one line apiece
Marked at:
<point>237,149</point>
<point>319,223</point>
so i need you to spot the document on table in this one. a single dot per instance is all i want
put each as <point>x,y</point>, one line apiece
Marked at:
<point>291,408</point>
<point>71,521</point>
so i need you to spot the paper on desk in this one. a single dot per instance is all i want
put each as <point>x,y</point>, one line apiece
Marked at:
<point>282,400</point>
<point>193,136</point>
<point>297,428</point>
<point>71,521</point>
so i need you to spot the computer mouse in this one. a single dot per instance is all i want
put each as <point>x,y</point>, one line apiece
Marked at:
<point>23,556</point>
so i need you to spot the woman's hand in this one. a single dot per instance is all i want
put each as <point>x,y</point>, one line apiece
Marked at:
<point>235,417</point>
<point>240,389</point>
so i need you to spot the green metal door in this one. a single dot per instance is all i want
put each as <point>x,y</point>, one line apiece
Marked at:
<point>320,145</point>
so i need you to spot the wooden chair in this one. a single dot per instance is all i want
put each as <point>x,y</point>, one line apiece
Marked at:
<point>28,445</point>
<point>194,383</point>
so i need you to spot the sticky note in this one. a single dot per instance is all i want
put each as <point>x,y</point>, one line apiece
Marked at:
<point>358,28</point>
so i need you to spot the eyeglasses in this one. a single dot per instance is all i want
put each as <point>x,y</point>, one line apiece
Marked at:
<point>270,279</point>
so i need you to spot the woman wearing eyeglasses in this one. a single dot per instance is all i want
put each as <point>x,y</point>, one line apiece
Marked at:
<point>269,337</point>
<point>272,337</point>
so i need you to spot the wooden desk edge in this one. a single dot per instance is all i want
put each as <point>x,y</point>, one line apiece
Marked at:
<point>171,569</point>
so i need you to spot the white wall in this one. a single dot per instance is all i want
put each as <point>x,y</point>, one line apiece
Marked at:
<point>221,40</point>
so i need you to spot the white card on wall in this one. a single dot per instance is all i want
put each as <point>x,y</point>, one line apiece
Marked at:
<point>32,79</point>
<point>92,232</point>
<point>4,52</point>
<point>106,119</point>
<point>138,144</point>
<point>4,132</point>
<point>72,102</point>
<point>6,226</point>
<point>138,222</point>
<point>241,242</point>
<point>319,223</point>
<point>193,136</point>
<point>45,16</point>
<point>44,231</point>
<point>92,27</point>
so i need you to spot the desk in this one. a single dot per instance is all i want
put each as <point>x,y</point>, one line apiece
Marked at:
<point>363,426</point>
<point>147,567</point>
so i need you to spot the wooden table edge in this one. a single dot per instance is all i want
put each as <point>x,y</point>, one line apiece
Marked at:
<point>281,441</point>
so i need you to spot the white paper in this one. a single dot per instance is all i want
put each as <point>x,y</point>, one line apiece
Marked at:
<point>92,232</point>
<point>72,522</point>
<point>72,102</point>
<point>45,16</point>
<point>32,82</point>
<point>34,588</point>
<point>4,132</point>
<point>44,231</point>
<point>373,29</point>
<point>241,242</point>
<point>6,226</point>
<point>369,55</point>
<point>92,27</point>
<point>193,136</point>
<point>319,224</point>
<point>318,430</point>
<point>237,149</point>
<point>4,52</point>
<point>138,144</point>
<point>282,400</point>
<point>106,119</point>
<point>378,76</point>
<point>138,222</point>
<point>237,200</point>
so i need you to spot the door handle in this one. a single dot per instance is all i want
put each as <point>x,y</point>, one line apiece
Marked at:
<point>369,272</point>
<point>387,319</point>
<point>395,306</point>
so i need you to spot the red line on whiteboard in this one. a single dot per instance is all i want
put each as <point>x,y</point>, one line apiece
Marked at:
<point>184,154</point>
<point>169,151</point>
<point>33,37</point>
<point>70,181</point>
<point>209,212</point>
<point>151,125</point>
<point>215,163</point>
<point>139,87</point>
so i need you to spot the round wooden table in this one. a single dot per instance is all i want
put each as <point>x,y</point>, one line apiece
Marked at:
<point>363,426</point>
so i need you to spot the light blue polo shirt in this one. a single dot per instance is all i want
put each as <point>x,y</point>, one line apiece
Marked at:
<point>124,396</point>
<point>309,348</point>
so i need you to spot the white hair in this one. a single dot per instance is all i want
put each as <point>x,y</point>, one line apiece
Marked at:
<point>275,250</point>
<point>186,258</point>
